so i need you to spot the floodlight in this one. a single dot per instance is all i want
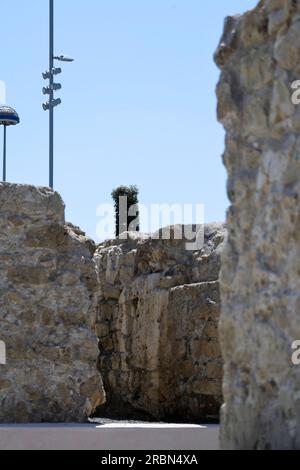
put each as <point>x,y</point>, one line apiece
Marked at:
<point>63,58</point>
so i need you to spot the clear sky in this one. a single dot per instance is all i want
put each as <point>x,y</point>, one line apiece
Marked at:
<point>139,102</point>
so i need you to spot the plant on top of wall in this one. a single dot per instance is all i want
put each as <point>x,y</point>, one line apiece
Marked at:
<point>126,209</point>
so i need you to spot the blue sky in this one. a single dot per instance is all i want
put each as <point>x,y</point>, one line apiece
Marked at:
<point>139,102</point>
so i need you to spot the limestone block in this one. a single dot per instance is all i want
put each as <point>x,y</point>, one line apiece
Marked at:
<point>161,358</point>
<point>260,282</point>
<point>47,286</point>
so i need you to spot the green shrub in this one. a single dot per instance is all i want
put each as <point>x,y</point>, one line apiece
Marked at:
<point>131,192</point>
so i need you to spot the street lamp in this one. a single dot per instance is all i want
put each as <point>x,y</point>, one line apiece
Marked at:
<point>8,117</point>
<point>49,90</point>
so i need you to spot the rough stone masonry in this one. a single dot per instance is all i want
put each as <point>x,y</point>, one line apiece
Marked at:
<point>259,57</point>
<point>47,284</point>
<point>157,323</point>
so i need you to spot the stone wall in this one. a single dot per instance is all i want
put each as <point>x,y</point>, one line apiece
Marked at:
<point>47,284</point>
<point>259,56</point>
<point>157,321</point>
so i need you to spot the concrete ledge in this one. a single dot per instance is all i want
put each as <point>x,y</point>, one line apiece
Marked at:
<point>113,436</point>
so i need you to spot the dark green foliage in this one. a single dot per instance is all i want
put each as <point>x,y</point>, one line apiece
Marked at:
<point>131,192</point>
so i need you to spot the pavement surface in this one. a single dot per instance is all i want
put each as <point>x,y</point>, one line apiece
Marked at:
<point>109,435</point>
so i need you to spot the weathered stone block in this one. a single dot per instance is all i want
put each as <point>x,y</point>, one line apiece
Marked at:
<point>47,285</point>
<point>260,282</point>
<point>163,327</point>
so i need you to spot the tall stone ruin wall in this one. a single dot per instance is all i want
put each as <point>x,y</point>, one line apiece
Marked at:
<point>157,324</point>
<point>47,286</point>
<point>259,57</point>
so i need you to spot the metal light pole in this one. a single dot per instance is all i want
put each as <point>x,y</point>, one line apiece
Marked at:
<point>4,153</point>
<point>51,108</point>
<point>8,117</point>
<point>52,103</point>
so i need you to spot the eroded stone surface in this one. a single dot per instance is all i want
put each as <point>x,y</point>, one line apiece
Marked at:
<point>260,284</point>
<point>157,320</point>
<point>47,283</point>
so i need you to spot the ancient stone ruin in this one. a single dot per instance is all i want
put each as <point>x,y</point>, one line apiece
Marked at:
<point>259,56</point>
<point>153,304</point>
<point>157,323</point>
<point>47,284</point>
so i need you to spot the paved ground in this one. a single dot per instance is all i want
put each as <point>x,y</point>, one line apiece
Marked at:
<point>109,435</point>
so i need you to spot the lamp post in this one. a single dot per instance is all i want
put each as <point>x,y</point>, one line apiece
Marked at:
<point>8,117</point>
<point>52,103</point>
